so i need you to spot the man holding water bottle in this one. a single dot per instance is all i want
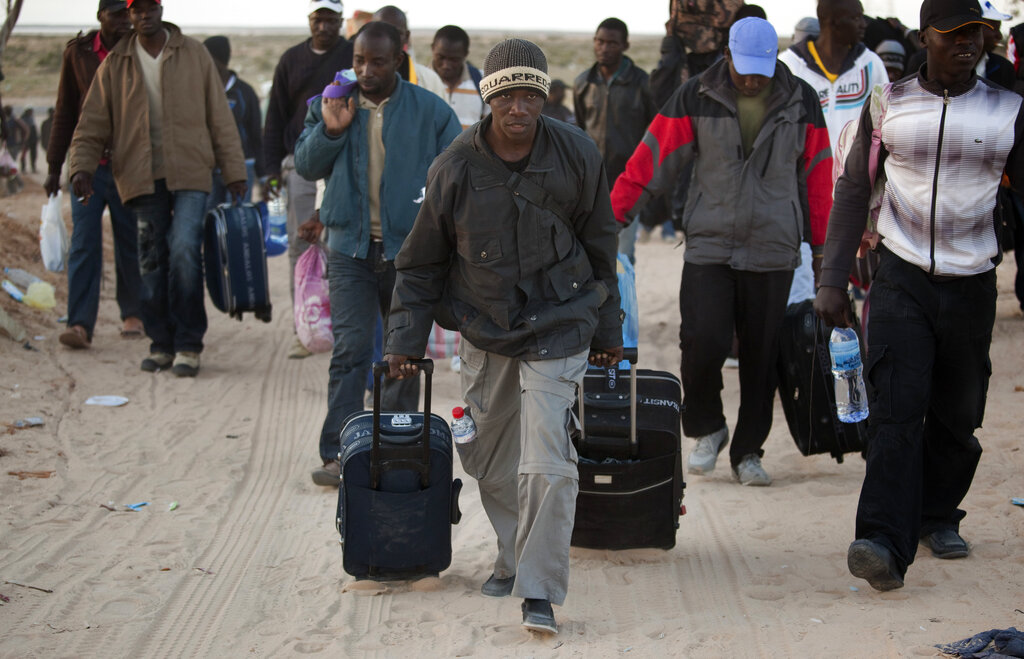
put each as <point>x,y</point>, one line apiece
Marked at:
<point>947,138</point>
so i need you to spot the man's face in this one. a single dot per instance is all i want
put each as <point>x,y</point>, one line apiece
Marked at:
<point>449,59</point>
<point>375,62</point>
<point>848,24</point>
<point>114,23</point>
<point>325,28</point>
<point>515,113</point>
<point>145,17</point>
<point>609,45</point>
<point>953,55</point>
<point>748,85</point>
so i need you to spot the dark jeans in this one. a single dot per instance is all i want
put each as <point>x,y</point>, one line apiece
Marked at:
<point>358,289</point>
<point>170,260</point>
<point>715,301</point>
<point>927,378</point>
<point>85,258</point>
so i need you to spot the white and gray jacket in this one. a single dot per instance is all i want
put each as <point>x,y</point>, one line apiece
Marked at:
<point>842,100</point>
<point>945,151</point>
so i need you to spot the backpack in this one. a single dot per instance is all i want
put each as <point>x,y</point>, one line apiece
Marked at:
<point>867,256</point>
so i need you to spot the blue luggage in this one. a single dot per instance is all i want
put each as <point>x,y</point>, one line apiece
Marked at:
<point>397,499</point>
<point>235,260</point>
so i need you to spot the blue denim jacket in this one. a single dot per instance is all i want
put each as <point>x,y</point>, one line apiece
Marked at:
<point>418,125</point>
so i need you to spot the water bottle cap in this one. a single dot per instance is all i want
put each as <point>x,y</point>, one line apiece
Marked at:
<point>458,413</point>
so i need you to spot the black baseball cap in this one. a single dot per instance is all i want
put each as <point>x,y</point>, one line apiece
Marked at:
<point>113,5</point>
<point>949,15</point>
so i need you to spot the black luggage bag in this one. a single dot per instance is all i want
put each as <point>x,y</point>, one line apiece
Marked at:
<point>630,464</point>
<point>397,500</point>
<point>235,259</point>
<point>807,389</point>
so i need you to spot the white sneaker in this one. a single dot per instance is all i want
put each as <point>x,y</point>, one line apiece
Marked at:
<point>704,455</point>
<point>750,472</point>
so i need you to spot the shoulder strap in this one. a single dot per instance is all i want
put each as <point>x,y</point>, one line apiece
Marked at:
<point>476,75</point>
<point>518,185</point>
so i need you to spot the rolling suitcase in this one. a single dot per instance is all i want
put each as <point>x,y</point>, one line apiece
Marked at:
<point>807,390</point>
<point>397,500</point>
<point>235,260</point>
<point>630,463</point>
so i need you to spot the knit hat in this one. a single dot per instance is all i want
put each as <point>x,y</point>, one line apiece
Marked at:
<point>219,48</point>
<point>514,64</point>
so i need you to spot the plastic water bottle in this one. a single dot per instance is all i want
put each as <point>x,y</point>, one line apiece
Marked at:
<point>20,277</point>
<point>851,398</point>
<point>463,428</point>
<point>277,221</point>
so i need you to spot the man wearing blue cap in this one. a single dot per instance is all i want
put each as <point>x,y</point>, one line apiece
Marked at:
<point>761,185</point>
<point>948,136</point>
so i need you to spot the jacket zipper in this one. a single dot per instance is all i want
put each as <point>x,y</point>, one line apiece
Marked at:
<point>935,179</point>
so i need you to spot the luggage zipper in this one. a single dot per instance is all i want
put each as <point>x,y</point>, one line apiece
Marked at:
<point>622,494</point>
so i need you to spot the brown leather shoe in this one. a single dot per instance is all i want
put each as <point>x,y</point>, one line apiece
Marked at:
<point>75,337</point>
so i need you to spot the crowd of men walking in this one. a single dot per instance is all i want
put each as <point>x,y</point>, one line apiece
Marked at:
<point>428,213</point>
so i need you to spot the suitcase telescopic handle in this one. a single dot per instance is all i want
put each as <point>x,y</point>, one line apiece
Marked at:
<point>631,355</point>
<point>380,369</point>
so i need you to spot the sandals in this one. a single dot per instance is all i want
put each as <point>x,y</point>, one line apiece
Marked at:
<point>133,329</point>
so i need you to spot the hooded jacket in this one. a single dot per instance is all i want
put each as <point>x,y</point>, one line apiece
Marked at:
<point>199,131</point>
<point>514,278</point>
<point>842,100</point>
<point>748,213</point>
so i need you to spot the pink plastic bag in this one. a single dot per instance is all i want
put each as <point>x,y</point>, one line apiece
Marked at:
<point>312,302</point>
<point>442,343</point>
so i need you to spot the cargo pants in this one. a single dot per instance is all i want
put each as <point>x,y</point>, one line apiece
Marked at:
<point>525,462</point>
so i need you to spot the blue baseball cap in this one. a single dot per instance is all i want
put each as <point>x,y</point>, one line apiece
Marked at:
<point>754,46</point>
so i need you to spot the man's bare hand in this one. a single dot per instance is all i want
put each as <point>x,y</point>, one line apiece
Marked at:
<point>310,229</point>
<point>399,367</point>
<point>271,189</point>
<point>237,190</point>
<point>51,184</point>
<point>338,114</point>
<point>605,357</point>
<point>832,306</point>
<point>81,184</point>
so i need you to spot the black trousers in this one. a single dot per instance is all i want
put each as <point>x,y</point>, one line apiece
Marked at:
<point>715,301</point>
<point>927,378</point>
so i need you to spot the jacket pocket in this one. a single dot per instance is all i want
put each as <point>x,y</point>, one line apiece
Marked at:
<point>569,277</point>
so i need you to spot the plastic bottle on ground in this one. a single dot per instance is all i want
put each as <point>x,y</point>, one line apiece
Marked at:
<point>20,277</point>
<point>851,397</point>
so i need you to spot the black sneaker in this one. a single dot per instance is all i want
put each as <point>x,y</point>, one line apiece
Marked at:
<point>946,543</point>
<point>874,563</point>
<point>495,587</point>
<point>538,616</point>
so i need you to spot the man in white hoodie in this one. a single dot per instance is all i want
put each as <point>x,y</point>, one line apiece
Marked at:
<point>843,72</point>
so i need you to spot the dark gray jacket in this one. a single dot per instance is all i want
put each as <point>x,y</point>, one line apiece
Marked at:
<point>513,278</point>
<point>615,115</point>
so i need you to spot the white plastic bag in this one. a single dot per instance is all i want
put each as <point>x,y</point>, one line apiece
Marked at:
<point>53,236</point>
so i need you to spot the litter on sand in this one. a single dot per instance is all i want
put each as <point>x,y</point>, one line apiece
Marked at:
<point>1017,501</point>
<point>136,506</point>
<point>107,401</point>
<point>29,422</point>
<point>173,506</point>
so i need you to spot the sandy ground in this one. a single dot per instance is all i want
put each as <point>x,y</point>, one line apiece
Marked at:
<point>249,563</point>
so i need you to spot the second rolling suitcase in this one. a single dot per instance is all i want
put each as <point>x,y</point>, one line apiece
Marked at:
<point>235,260</point>
<point>630,463</point>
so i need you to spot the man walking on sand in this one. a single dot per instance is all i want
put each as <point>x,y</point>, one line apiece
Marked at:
<point>373,149</point>
<point>159,103</point>
<point>82,57</point>
<point>948,136</point>
<point>531,285</point>
<point>761,185</point>
<point>302,72</point>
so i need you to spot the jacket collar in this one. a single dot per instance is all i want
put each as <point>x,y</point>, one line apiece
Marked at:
<point>394,94</point>
<point>933,87</point>
<point>849,62</point>
<point>538,152</point>
<point>627,69</point>
<point>716,84</point>
<point>126,46</point>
